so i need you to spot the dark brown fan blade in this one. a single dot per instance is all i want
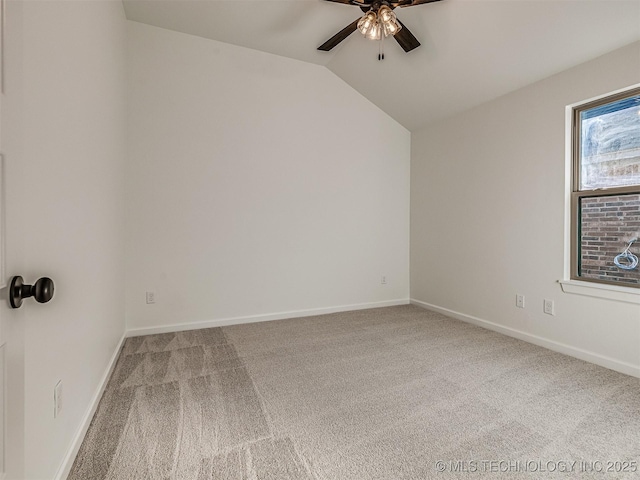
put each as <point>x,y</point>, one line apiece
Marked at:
<point>413,3</point>
<point>340,36</point>
<point>405,38</point>
<point>348,2</point>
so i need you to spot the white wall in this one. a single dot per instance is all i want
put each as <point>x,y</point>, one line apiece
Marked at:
<point>487,215</point>
<point>256,185</point>
<point>65,112</point>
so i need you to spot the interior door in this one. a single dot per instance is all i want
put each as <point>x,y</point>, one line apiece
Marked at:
<point>12,321</point>
<point>3,362</point>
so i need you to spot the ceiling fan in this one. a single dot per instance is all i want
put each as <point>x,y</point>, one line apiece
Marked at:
<point>378,22</point>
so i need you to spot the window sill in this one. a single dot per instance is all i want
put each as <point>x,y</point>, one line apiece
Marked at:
<point>608,292</point>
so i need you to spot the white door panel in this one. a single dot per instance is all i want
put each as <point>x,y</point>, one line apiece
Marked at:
<point>11,321</point>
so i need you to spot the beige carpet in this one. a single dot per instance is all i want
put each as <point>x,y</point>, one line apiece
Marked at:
<point>372,394</point>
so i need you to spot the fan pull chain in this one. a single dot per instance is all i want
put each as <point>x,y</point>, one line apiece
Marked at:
<point>381,51</point>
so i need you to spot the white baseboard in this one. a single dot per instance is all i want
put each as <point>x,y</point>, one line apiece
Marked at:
<point>602,360</point>
<point>223,322</point>
<point>69,458</point>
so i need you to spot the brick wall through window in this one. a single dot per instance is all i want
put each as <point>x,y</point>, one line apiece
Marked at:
<point>608,224</point>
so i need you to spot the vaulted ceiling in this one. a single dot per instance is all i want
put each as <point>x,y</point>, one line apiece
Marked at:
<point>472,50</point>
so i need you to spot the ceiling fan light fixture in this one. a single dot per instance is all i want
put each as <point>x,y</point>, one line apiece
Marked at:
<point>391,28</point>
<point>375,32</point>
<point>388,20</point>
<point>378,22</point>
<point>369,26</point>
<point>367,21</point>
<point>386,15</point>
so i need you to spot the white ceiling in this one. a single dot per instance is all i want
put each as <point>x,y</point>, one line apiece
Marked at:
<point>472,50</point>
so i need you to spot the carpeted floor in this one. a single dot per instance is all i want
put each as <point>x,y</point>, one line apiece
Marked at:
<point>390,393</point>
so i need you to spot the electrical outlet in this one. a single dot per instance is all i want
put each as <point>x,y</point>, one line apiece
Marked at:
<point>383,280</point>
<point>520,301</point>
<point>548,307</point>
<point>151,297</point>
<point>57,399</point>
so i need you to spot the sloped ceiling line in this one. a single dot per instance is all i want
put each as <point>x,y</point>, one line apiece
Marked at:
<point>472,50</point>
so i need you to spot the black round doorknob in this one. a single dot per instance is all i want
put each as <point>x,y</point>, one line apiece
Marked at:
<point>42,291</point>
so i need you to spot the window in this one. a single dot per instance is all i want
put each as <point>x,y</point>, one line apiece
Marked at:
<point>605,201</point>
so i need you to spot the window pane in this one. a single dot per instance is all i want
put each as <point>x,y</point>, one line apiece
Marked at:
<point>607,226</point>
<point>610,144</point>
